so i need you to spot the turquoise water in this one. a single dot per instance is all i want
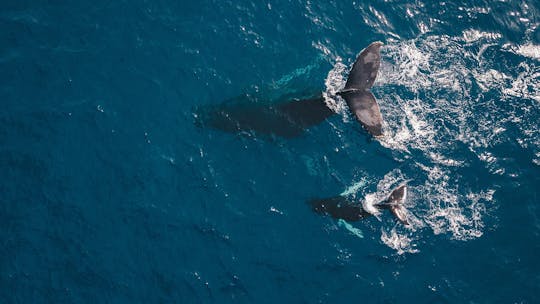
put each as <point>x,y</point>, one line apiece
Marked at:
<point>111,192</point>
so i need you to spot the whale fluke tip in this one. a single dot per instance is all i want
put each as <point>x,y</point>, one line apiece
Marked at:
<point>365,68</point>
<point>366,110</point>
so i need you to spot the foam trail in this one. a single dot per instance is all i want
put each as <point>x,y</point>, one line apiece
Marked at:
<point>429,108</point>
<point>447,106</point>
<point>401,243</point>
<point>334,82</point>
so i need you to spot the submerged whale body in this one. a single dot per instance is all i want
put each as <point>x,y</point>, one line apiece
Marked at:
<point>247,113</point>
<point>339,207</point>
<point>291,117</point>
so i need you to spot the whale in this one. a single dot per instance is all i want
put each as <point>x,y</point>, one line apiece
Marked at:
<point>290,116</point>
<point>340,207</point>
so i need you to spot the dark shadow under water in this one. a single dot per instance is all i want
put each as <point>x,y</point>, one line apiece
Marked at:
<point>288,117</point>
<point>339,207</point>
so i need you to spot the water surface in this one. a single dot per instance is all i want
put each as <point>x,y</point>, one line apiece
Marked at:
<point>111,193</point>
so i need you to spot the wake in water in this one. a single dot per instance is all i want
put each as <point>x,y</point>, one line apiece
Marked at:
<point>465,106</point>
<point>448,109</point>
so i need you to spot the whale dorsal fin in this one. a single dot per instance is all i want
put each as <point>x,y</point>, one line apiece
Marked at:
<point>365,68</point>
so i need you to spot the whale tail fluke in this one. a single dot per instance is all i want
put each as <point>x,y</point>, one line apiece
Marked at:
<point>356,92</point>
<point>365,68</point>
<point>395,203</point>
<point>364,107</point>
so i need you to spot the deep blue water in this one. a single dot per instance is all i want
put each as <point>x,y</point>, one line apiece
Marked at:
<point>110,193</point>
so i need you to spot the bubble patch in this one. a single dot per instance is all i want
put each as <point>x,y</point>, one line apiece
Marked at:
<point>433,93</point>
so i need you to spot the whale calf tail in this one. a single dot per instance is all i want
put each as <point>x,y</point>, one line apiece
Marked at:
<point>339,207</point>
<point>395,203</point>
<point>356,92</point>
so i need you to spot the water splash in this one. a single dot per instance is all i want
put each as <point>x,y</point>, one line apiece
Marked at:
<point>433,92</point>
<point>528,50</point>
<point>437,77</point>
<point>399,242</point>
<point>446,210</point>
<point>334,82</point>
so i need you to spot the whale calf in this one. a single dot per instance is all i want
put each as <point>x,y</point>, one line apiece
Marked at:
<point>291,116</point>
<point>339,207</point>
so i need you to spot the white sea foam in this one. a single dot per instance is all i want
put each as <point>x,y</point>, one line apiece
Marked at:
<point>529,50</point>
<point>447,210</point>
<point>472,35</point>
<point>369,202</point>
<point>334,82</point>
<point>440,110</point>
<point>400,242</point>
<point>527,84</point>
<point>432,94</point>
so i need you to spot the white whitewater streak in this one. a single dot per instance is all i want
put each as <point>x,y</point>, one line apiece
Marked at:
<point>435,76</point>
<point>437,66</point>
<point>334,82</point>
<point>400,242</point>
<point>408,68</point>
<point>529,50</point>
<point>527,84</point>
<point>446,210</point>
<point>472,36</point>
<point>490,79</point>
<point>369,202</point>
<point>433,92</point>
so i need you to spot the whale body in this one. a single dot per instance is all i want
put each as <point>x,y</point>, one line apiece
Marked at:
<point>290,117</point>
<point>247,113</point>
<point>339,207</point>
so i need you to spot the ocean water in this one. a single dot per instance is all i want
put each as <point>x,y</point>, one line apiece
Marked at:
<point>111,193</point>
